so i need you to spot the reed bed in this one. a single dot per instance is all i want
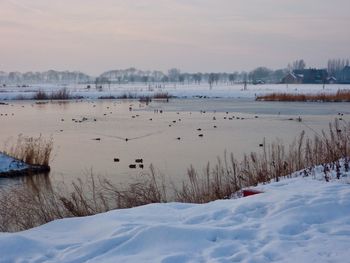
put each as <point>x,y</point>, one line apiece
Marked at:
<point>157,96</point>
<point>28,206</point>
<point>110,97</point>
<point>127,96</point>
<point>33,151</point>
<point>339,96</point>
<point>41,95</point>
<point>62,94</point>
<point>161,96</point>
<point>274,162</point>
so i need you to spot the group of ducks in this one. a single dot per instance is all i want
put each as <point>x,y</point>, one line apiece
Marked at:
<point>138,163</point>
<point>5,114</point>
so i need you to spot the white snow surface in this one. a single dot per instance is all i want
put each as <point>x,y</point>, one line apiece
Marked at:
<point>8,163</point>
<point>221,90</point>
<point>294,220</point>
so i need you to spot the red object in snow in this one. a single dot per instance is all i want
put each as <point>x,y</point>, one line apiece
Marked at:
<point>249,192</point>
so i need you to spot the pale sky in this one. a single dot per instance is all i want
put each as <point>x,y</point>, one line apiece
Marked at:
<point>194,35</point>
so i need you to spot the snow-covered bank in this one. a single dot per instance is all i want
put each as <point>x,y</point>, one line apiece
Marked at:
<point>10,167</point>
<point>9,164</point>
<point>295,220</point>
<point>178,90</point>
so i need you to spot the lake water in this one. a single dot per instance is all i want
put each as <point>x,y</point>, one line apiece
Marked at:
<point>169,140</point>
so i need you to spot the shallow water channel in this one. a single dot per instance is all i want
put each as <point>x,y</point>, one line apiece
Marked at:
<point>130,130</point>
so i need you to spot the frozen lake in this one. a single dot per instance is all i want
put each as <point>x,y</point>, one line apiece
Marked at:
<point>169,140</point>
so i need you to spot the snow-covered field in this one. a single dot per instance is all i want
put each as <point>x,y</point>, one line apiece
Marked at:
<point>295,220</point>
<point>178,90</point>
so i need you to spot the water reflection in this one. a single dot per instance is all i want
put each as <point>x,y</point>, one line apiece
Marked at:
<point>37,182</point>
<point>63,104</point>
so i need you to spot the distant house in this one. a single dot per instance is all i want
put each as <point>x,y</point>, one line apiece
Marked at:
<point>344,76</point>
<point>312,75</point>
<point>332,80</point>
<point>292,78</point>
<point>258,82</point>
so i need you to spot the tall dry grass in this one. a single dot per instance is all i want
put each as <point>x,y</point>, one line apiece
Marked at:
<point>272,163</point>
<point>41,95</point>
<point>127,96</point>
<point>37,202</point>
<point>62,94</point>
<point>339,96</point>
<point>28,206</point>
<point>162,96</point>
<point>31,150</point>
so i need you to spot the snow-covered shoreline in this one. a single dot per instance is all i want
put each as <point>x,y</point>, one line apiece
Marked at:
<point>178,90</point>
<point>9,164</point>
<point>11,167</point>
<point>304,219</point>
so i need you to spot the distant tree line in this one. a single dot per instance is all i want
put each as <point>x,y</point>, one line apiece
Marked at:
<point>258,75</point>
<point>176,76</point>
<point>51,76</point>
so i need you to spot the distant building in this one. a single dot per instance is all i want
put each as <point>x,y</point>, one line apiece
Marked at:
<point>258,82</point>
<point>292,78</point>
<point>344,76</point>
<point>332,80</point>
<point>312,75</point>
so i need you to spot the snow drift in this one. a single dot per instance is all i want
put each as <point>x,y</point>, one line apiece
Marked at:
<point>295,220</point>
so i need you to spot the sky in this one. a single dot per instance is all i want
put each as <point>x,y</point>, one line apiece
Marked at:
<point>193,35</point>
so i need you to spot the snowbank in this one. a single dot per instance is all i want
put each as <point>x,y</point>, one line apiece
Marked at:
<point>295,220</point>
<point>9,164</point>
<point>11,167</point>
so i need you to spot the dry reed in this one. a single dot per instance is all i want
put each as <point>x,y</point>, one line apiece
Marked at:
<point>62,94</point>
<point>33,151</point>
<point>339,96</point>
<point>162,96</point>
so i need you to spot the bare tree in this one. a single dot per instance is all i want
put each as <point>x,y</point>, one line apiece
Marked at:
<point>297,65</point>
